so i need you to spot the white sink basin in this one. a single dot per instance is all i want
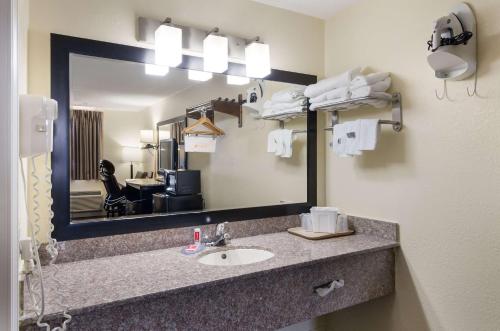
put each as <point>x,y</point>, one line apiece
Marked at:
<point>236,256</point>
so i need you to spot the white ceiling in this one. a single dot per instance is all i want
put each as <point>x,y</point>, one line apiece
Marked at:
<point>104,84</point>
<point>324,9</point>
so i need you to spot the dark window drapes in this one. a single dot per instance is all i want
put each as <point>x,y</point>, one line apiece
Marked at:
<point>86,144</point>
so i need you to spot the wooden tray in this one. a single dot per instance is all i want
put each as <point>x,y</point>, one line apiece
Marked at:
<point>317,235</point>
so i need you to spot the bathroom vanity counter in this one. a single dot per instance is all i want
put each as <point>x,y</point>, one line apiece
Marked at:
<point>165,283</point>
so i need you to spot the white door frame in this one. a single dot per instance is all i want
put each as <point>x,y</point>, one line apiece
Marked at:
<point>9,135</point>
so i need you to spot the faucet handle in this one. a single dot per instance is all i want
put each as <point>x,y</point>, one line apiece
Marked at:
<point>219,230</point>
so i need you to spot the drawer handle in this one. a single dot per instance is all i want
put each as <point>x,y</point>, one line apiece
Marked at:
<point>325,289</point>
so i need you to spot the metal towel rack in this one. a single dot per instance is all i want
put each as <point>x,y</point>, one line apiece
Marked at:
<point>396,104</point>
<point>283,117</point>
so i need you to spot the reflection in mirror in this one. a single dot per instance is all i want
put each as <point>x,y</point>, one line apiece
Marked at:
<point>143,143</point>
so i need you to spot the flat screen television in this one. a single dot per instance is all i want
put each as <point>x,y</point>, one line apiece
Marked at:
<point>168,155</point>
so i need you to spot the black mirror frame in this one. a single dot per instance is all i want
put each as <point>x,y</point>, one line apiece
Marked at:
<point>61,48</point>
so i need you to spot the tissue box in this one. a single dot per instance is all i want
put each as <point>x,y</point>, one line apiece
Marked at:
<point>324,219</point>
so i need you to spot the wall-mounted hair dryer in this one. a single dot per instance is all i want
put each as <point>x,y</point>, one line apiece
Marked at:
<point>36,118</point>
<point>453,44</point>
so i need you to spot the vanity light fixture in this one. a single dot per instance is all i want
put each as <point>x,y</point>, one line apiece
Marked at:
<point>154,70</point>
<point>201,76</point>
<point>237,80</point>
<point>258,59</point>
<point>168,44</point>
<point>215,52</point>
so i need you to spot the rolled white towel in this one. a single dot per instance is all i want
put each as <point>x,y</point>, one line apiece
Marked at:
<point>331,83</point>
<point>341,92</point>
<point>370,79</point>
<point>367,90</point>
<point>288,95</point>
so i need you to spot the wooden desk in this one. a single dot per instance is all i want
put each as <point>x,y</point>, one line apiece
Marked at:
<point>143,189</point>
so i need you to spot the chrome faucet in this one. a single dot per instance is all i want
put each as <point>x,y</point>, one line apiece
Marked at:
<point>222,238</point>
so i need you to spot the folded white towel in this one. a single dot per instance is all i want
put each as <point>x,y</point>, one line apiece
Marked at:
<point>341,92</point>
<point>288,95</point>
<point>314,106</point>
<point>370,79</point>
<point>331,83</point>
<point>269,104</point>
<point>367,90</point>
<point>291,111</point>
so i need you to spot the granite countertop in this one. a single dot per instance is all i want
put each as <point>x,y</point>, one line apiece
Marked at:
<point>108,281</point>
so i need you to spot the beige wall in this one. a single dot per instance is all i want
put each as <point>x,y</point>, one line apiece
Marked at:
<point>240,172</point>
<point>297,41</point>
<point>439,178</point>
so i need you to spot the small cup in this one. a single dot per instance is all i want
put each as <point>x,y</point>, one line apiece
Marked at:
<point>306,222</point>
<point>342,225</point>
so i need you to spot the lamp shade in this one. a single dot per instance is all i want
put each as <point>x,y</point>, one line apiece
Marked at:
<point>146,136</point>
<point>168,46</point>
<point>215,53</point>
<point>132,154</point>
<point>258,60</point>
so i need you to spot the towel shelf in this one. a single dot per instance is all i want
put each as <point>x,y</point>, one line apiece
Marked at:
<point>284,117</point>
<point>397,110</point>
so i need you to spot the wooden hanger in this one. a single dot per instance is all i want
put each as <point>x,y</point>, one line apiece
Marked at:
<point>207,123</point>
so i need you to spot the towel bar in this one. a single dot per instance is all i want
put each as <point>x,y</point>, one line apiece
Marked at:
<point>397,111</point>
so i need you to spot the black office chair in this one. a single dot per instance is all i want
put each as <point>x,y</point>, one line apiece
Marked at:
<point>116,201</point>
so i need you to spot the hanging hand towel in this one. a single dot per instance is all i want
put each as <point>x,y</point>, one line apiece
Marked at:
<point>352,138</point>
<point>367,90</point>
<point>339,140</point>
<point>331,83</point>
<point>369,79</point>
<point>369,130</point>
<point>272,141</point>
<point>286,140</point>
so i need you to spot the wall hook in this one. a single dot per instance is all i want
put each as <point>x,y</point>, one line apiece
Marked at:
<point>474,91</point>
<point>445,92</point>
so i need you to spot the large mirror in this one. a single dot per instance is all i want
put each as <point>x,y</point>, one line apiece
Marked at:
<point>140,146</point>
